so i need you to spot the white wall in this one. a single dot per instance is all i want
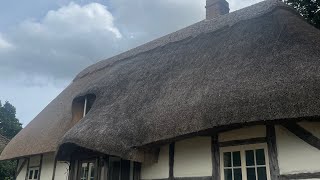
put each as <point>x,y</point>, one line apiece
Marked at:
<point>157,170</point>
<point>62,171</point>
<point>47,167</point>
<point>22,174</point>
<point>193,157</point>
<point>295,155</point>
<point>313,127</point>
<point>243,133</point>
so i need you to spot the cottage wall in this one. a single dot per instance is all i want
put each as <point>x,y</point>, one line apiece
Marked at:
<point>193,157</point>
<point>47,167</point>
<point>159,170</point>
<point>22,174</point>
<point>294,155</point>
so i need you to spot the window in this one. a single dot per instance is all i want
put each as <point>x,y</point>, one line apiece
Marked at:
<point>81,106</point>
<point>87,170</point>
<point>33,173</point>
<point>247,162</point>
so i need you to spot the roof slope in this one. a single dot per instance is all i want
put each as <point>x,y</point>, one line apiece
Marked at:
<point>259,63</point>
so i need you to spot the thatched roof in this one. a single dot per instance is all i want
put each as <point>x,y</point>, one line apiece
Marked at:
<point>256,64</point>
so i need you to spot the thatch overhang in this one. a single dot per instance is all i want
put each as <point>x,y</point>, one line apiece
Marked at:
<point>261,63</point>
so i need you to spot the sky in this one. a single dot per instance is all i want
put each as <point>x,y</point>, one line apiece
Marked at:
<point>45,43</point>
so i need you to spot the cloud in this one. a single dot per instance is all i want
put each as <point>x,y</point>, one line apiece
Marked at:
<point>62,43</point>
<point>4,45</point>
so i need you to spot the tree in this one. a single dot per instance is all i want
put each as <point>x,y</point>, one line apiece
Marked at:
<point>309,9</point>
<point>9,124</point>
<point>9,127</point>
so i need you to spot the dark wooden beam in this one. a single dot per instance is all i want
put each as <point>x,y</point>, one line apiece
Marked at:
<point>215,156</point>
<point>273,152</point>
<point>243,142</point>
<point>171,160</point>
<point>303,134</point>
<point>136,171</point>
<point>27,173</point>
<point>19,169</point>
<point>40,166</point>
<point>300,176</point>
<point>54,168</point>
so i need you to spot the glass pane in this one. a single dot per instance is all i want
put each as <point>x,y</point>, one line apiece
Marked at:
<point>227,159</point>
<point>91,171</point>
<point>250,158</point>
<point>30,174</point>
<point>237,174</point>
<point>251,174</point>
<point>260,157</point>
<point>236,159</point>
<point>262,174</point>
<point>84,171</point>
<point>36,174</point>
<point>227,174</point>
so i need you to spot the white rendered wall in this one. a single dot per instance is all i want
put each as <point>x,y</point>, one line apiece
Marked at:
<point>295,155</point>
<point>62,171</point>
<point>34,161</point>
<point>243,133</point>
<point>157,170</point>
<point>22,174</point>
<point>313,127</point>
<point>192,157</point>
<point>47,167</point>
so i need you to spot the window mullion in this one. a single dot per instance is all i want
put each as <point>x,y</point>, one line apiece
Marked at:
<point>232,171</point>
<point>255,163</point>
<point>243,164</point>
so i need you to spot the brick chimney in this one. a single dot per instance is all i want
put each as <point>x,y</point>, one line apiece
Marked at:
<point>216,8</point>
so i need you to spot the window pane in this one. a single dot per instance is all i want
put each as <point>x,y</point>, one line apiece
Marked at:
<point>250,158</point>
<point>251,174</point>
<point>30,174</point>
<point>236,159</point>
<point>36,174</point>
<point>91,171</point>
<point>227,174</point>
<point>237,174</point>
<point>227,159</point>
<point>262,174</point>
<point>260,157</point>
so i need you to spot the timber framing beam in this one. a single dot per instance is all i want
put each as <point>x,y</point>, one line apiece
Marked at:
<point>273,152</point>
<point>171,160</point>
<point>303,134</point>
<point>215,155</point>
<point>300,176</point>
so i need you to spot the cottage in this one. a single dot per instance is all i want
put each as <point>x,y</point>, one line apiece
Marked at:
<point>233,97</point>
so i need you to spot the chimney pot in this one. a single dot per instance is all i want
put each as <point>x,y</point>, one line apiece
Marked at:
<point>216,8</point>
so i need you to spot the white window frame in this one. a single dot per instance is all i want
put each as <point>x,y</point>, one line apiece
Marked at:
<point>242,149</point>
<point>33,174</point>
<point>85,106</point>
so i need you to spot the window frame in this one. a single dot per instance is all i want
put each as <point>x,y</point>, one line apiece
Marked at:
<point>33,169</point>
<point>243,149</point>
<point>88,161</point>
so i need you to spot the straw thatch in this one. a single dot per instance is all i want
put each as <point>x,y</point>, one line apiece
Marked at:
<point>260,63</point>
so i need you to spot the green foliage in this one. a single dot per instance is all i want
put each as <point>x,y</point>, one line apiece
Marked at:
<point>9,124</point>
<point>309,9</point>
<point>9,127</point>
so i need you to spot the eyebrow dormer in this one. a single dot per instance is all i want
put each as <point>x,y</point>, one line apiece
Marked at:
<point>81,106</point>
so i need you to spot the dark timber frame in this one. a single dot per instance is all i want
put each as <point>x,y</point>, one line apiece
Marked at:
<point>40,166</point>
<point>27,173</point>
<point>215,155</point>
<point>273,152</point>
<point>171,161</point>
<point>303,134</point>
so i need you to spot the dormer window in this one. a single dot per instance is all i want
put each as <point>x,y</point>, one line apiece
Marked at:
<point>81,106</point>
